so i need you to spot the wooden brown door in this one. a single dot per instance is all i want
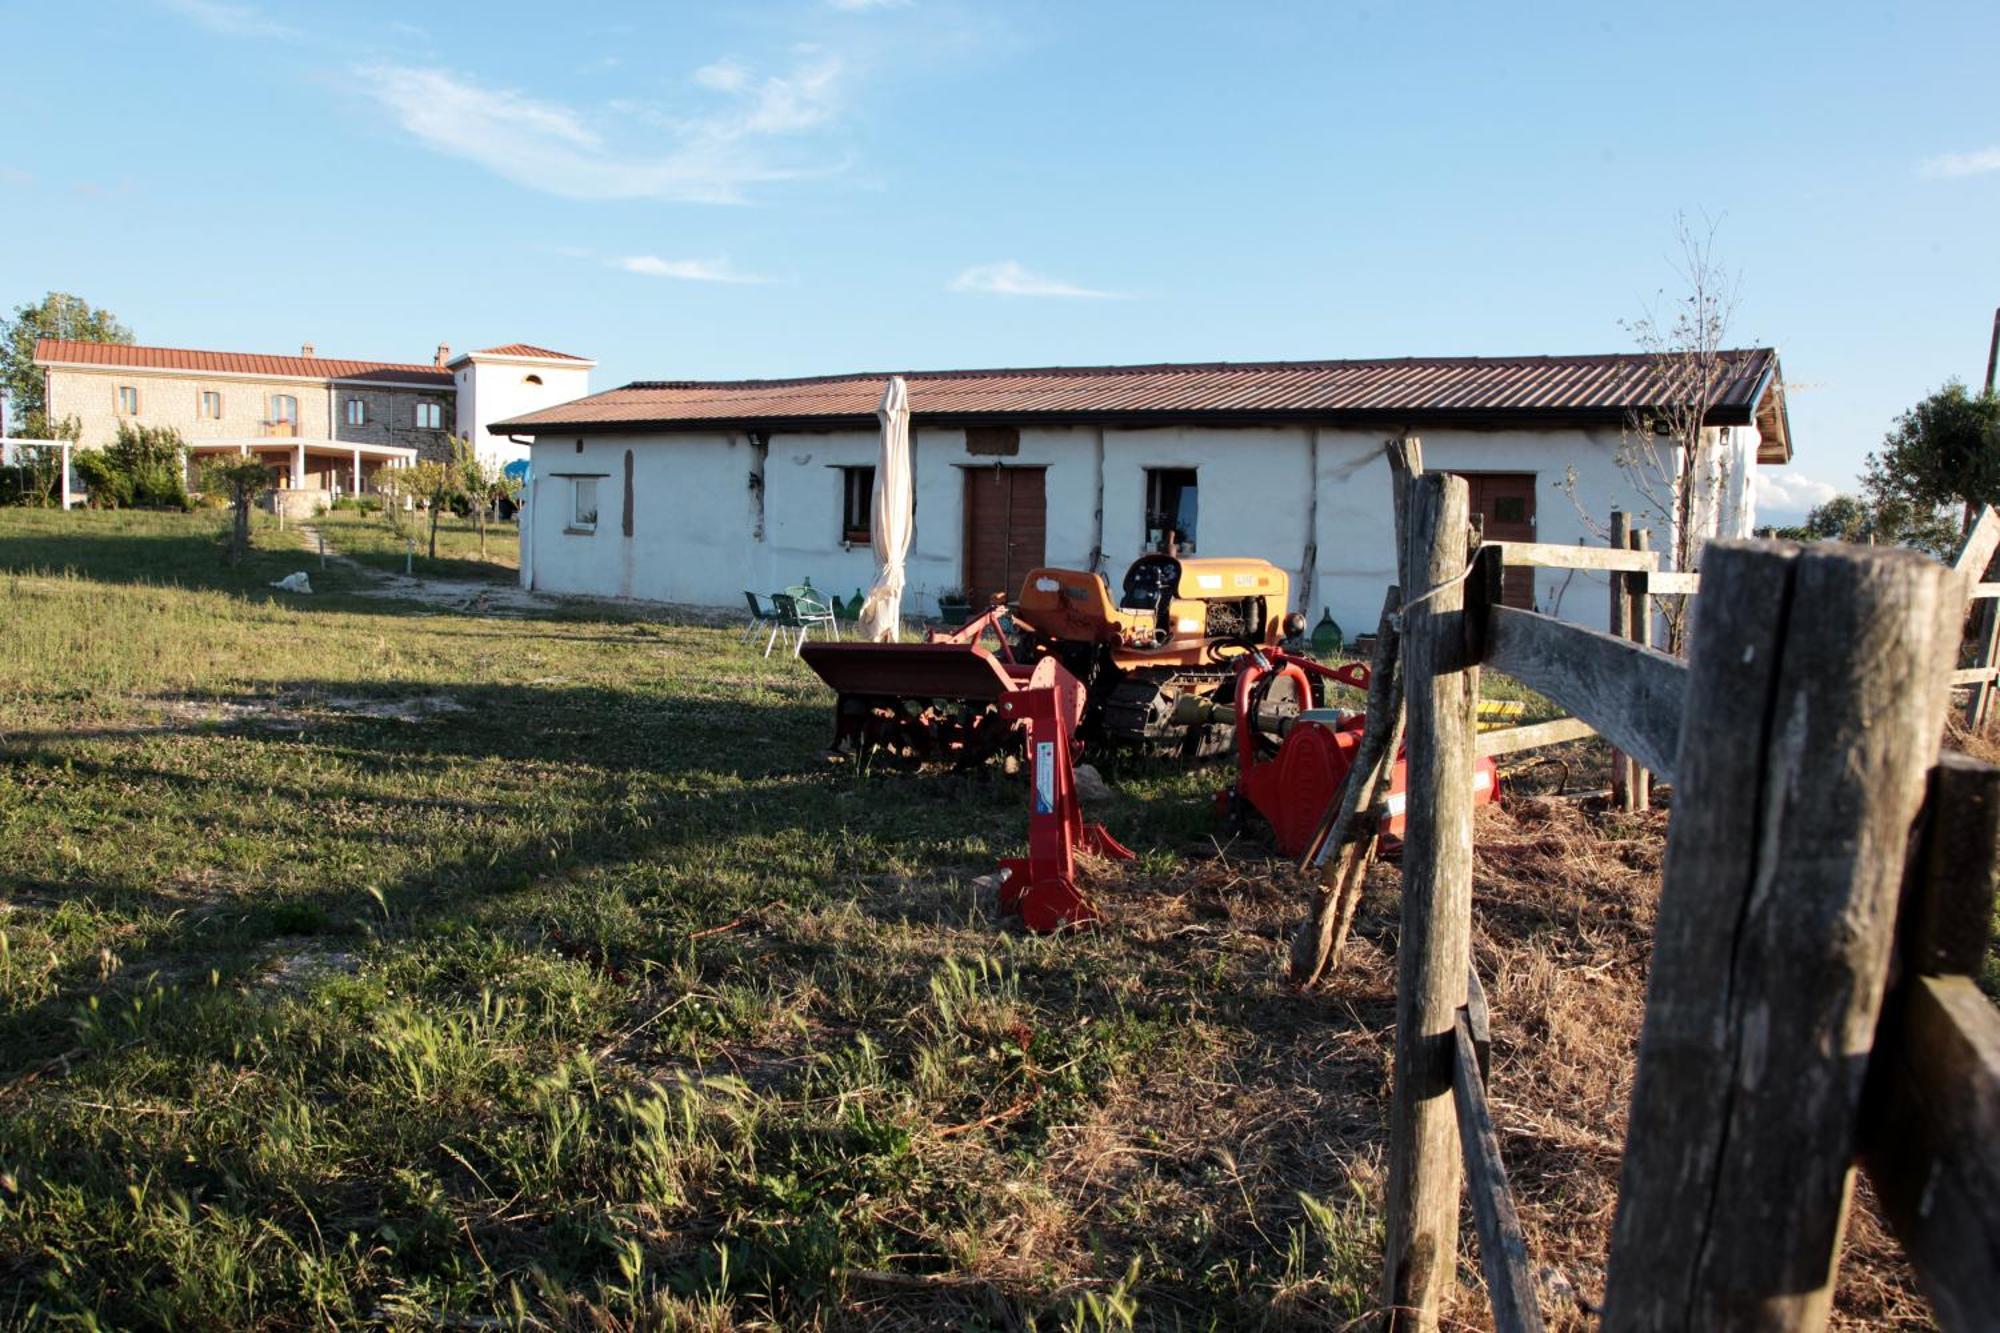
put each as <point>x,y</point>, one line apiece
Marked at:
<point>1504,502</point>
<point>1006,529</point>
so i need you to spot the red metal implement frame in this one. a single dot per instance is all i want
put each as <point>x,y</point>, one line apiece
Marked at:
<point>1041,886</point>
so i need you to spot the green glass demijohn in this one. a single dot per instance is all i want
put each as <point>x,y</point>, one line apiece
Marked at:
<point>1326,636</point>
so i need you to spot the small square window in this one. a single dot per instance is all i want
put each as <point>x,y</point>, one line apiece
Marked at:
<point>357,412</point>
<point>857,504</point>
<point>128,400</point>
<point>211,405</point>
<point>430,416</point>
<point>1172,508</point>
<point>583,504</point>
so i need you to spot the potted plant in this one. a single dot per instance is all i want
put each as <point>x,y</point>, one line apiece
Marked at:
<point>954,607</point>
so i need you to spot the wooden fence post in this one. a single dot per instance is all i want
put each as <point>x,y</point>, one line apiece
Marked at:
<point>1815,697</point>
<point>1639,616</point>
<point>1974,555</point>
<point>1441,691</point>
<point>1620,628</point>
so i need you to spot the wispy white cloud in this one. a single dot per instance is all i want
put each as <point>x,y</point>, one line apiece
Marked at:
<point>710,157</point>
<point>1976,163</point>
<point>1785,493</point>
<point>688,270</point>
<point>230,20</point>
<point>1010,278</point>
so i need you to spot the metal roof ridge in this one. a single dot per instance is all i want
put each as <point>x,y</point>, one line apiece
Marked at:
<point>1196,367</point>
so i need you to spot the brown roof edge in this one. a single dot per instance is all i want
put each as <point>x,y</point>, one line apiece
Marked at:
<point>1771,413</point>
<point>1474,418</point>
<point>1190,367</point>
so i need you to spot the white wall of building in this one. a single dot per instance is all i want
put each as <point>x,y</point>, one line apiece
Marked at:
<point>694,508</point>
<point>495,388</point>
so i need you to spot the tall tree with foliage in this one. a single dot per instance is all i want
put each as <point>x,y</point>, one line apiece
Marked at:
<point>1851,518</point>
<point>1944,451</point>
<point>56,315</point>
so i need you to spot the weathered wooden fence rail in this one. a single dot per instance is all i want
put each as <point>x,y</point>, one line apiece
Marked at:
<point>1789,1027</point>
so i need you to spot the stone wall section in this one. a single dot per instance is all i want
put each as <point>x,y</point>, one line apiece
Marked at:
<point>389,411</point>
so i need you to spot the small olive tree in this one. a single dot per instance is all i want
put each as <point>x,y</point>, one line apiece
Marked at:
<point>241,477</point>
<point>484,483</point>
<point>434,484</point>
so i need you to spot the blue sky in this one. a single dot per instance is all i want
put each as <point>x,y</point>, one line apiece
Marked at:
<point>825,185</point>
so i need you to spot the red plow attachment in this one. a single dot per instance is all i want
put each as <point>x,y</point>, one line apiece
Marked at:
<point>958,703</point>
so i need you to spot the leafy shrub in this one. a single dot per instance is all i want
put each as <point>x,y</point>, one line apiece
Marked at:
<point>145,466</point>
<point>360,504</point>
<point>109,487</point>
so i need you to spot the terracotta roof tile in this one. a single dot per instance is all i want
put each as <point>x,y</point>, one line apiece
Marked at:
<point>60,351</point>
<point>528,349</point>
<point>1412,390</point>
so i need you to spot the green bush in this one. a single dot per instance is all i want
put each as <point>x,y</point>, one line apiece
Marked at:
<point>109,487</point>
<point>144,467</point>
<point>362,504</point>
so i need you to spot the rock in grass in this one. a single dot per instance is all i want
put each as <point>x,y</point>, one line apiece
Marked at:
<point>1090,784</point>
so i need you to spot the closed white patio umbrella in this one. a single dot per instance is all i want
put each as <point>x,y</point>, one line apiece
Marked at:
<point>891,517</point>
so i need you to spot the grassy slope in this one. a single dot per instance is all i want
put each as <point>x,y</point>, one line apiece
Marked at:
<point>602,992</point>
<point>600,1002</point>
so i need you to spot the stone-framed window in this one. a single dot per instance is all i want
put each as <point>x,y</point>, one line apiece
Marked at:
<point>357,411</point>
<point>284,409</point>
<point>128,400</point>
<point>430,416</point>
<point>209,406</point>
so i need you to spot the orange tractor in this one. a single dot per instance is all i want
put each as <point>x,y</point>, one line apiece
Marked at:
<point>1174,632</point>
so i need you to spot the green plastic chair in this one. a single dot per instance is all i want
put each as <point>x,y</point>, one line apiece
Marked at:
<point>813,609</point>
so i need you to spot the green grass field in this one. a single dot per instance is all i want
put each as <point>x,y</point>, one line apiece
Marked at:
<point>359,963</point>
<point>369,539</point>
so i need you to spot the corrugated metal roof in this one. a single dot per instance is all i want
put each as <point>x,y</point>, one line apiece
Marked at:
<point>61,351</point>
<point>528,349</point>
<point>1494,390</point>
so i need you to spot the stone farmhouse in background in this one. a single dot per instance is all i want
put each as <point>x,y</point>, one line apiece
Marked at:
<point>325,426</point>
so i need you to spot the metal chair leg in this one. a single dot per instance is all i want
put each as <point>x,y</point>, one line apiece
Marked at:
<point>776,629</point>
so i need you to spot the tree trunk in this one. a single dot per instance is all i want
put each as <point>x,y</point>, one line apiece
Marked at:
<point>239,537</point>
<point>437,503</point>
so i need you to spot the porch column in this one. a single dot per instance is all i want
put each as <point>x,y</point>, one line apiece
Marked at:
<point>65,474</point>
<point>298,467</point>
<point>357,472</point>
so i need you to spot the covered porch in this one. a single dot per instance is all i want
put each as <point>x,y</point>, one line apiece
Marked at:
<point>339,468</point>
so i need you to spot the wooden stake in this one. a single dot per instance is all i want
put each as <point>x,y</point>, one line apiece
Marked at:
<point>1639,619</point>
<point>1620,628</point>
<point>1425,1171</point>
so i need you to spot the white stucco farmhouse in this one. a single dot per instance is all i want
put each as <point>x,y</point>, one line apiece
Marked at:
<point>695,492</point>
